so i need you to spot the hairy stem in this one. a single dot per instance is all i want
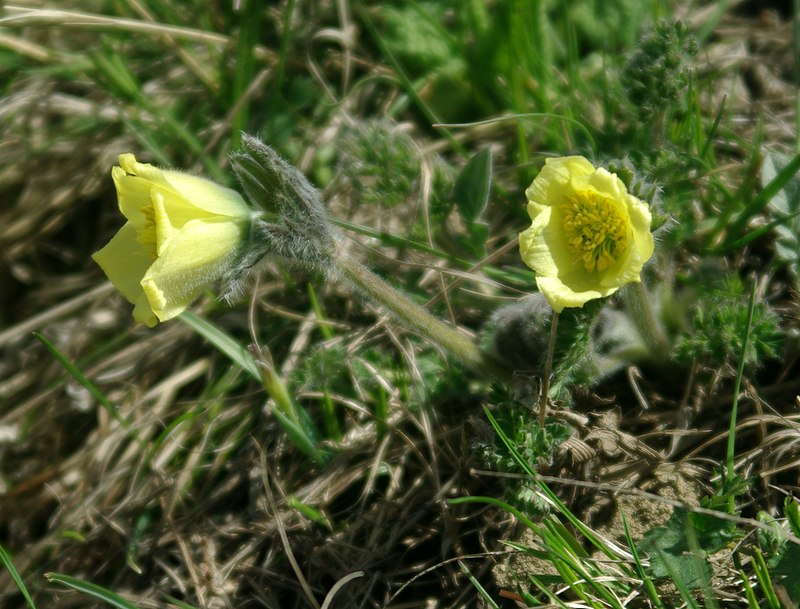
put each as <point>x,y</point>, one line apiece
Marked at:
<point>649,328</point>
<point>417,318</point>
<point>548,369</point>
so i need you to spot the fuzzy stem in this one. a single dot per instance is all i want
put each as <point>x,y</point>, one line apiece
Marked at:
<point>415,316</point>
<point>644,318</point>
<point>548,369</point>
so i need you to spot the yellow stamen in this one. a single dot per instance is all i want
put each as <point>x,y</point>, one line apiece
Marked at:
<point>596,230</point>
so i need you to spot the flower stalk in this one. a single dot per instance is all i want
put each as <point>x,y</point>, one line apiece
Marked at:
<point>416,317</point>
<point>548,369</point>
<point>643,316</point>
<point>295,227</point>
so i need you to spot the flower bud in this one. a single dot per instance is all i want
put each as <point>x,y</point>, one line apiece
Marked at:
<point>295,223</point>
<point>182,234</point>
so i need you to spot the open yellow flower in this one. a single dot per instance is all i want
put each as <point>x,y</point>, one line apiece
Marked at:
<point>182,234</point>
<point>588,235</point>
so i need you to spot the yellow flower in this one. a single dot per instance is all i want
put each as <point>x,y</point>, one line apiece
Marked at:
<point>183,233</point>
<point>588,236</point>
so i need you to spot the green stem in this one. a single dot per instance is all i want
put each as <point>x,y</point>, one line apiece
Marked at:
<point>548,369</point>
<point>415,316</point>
<point>730,452</point>
<point>646,323</point>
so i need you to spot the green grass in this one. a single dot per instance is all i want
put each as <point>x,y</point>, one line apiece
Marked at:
<point>301,446</point>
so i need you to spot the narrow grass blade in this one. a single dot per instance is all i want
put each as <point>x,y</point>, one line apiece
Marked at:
<point>680,584</point>
<point>736,388</point>
<point>329,419</point>
<point>82,379</point>
<point>764,580</point>
<point>226,344</point>
<point>294,421</point>
<point>757,204</point>
<point>300,439</point>
<point>481,590</point>
<point>324,329</point>
<point>759,232</point>
<point>310,512</point>
<point>554,600</point>
<point>649,586</point>
<point>5,559</point>
<point>517,116</point>
<point>178,603</point>
<point>497,503</point>
<point>587,532</point>
<point>90,589</point>
<point>518,458</point>
<point>752,601</point>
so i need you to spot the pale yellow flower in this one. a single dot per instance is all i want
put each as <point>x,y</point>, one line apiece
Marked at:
<point>588,235</point>
<point>182,234</point>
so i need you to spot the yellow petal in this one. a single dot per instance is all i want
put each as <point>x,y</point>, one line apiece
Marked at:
<point>588,236</point>
<point>136,181</point>
<point>182,234</point>
<point>133,195</point>
<point>554,178</point>
<point>143,313</point>
<point>164,227</point>
<point>533,248</point>
<point>561,294</point>
<point>194,257</point>
<point>208,196</point>
<point>124,262</point>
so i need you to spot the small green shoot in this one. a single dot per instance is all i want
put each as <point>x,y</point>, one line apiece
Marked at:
<point>649,586</point>
<point>310,512</point>
<point>88,588</point>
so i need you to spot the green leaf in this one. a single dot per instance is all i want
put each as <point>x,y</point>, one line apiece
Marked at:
<point>785,205</point>
<point>671,554</point>
<point>471,190</point>
<point>310,512</point>
<point>298,436</point>
<point>787,571</point>
<point>791,508</point>
<point>780,187</point>
<point>178,603</point>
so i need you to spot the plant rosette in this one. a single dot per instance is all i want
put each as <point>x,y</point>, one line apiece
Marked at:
<point>588,235</point>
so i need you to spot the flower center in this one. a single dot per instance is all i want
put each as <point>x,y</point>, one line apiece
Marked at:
<point>596,230</point>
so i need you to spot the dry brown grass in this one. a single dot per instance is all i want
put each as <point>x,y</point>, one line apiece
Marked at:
<point>191,493</point>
